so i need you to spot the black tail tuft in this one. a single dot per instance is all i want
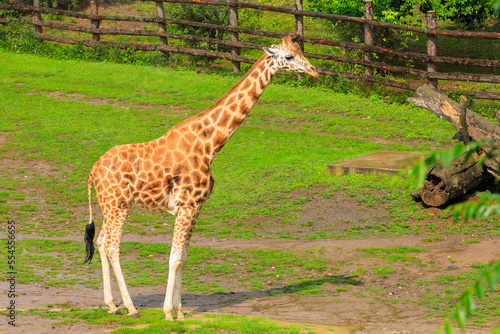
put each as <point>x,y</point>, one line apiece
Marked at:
<point>89,241</point>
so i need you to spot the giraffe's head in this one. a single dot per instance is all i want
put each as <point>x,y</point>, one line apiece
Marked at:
<point>289,57</point>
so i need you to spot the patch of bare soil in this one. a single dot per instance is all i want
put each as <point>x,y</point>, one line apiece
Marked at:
<point>24,174</point>
<point>331,215</point>
<point>334,214</point>
<point>96,101</point>
<point>30,166</point>
<point>3,139</point>
<point>276,122</point>
<point>25,171</point>
<point>38,325</point>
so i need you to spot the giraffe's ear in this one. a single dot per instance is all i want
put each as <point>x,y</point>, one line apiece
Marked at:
<point>269,51</point>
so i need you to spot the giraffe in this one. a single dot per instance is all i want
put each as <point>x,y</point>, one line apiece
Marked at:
<point>172,174</point>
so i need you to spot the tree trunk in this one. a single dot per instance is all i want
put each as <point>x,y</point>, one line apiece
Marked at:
<point>478,128</point>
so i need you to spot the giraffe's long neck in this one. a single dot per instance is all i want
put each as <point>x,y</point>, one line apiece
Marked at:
<point>227,114</point>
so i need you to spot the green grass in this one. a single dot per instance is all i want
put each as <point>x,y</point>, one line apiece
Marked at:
<point>51,263</point>
<point>383,271</point>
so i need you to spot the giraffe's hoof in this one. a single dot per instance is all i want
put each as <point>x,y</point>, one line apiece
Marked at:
<point>169,318</point>
<point>117,311</point>
<point>134,315</point>
<point>180,316</point>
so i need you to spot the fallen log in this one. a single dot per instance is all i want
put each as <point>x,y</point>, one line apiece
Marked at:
<point>442,186</point>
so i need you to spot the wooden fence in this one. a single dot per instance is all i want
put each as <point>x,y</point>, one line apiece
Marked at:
<point>430,75</point>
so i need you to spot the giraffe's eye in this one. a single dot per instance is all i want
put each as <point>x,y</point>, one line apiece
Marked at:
<point>289,57</point>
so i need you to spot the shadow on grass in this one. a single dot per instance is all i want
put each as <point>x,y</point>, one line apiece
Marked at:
<point>209,302</point>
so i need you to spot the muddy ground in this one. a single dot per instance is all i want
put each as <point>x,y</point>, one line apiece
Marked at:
<point>352,311</point>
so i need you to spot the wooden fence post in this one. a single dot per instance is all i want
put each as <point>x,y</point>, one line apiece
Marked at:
<point>37,16</point>
<point>299,28</point>
<point>162,27</point>
<point>299,23</point>
<point>431,47</point>
<point>368,13</point>
<point>233,23</point>
<point>94,10</point>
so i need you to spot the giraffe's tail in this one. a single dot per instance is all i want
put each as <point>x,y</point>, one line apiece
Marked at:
<point>90,228</point>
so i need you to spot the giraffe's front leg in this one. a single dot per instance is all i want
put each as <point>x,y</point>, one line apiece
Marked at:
<point>177,293</point>
<point>177,305</point>
<point>174,265</point>
<point>178,279</point>
<point>184,224</point>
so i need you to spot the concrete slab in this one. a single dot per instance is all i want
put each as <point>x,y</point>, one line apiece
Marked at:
<point>388,163</point>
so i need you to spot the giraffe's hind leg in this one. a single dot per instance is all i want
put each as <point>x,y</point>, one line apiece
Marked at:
<point>108,296</point>
<point>111,247</point>
<point>127,301</point>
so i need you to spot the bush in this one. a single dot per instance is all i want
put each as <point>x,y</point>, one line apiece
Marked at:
<point>18,36</point>
<point>391,11</point>
<point>218,15</point>
<point>467,13</point>
<point>59,4</point>
<point>8,13</point>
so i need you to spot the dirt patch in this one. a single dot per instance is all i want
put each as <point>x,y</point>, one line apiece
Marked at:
<point>39,325</point>
<point>78,97</point>
<point>82,98</point>
<point>334,214</point>
<point>97,101</point>
<point>24,171</point>
<point>3,138</point>
<point>319,214</point>
<point>298,124</point>
<point>24,174</point>
<point>30,166</point>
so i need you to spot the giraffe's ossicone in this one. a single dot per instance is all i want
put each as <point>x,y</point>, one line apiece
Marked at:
<point>172,174</point>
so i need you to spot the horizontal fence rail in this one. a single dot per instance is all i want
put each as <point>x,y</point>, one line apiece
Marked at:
<point>367,48</point>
